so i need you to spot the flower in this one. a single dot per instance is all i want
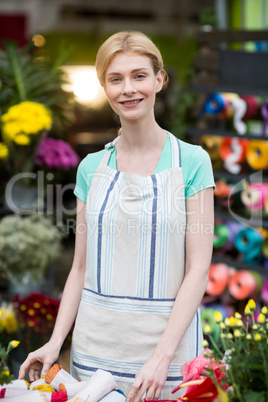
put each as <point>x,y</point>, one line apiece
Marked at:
<point>58,154</point>
<point>243,347</point>
<point>200,387</point>
<point>27,245</point>
<point>8,323</point>
<point>3,152</point>
<point>27,119</point>
<point>218,317</point>
<point>5,376</point>
<point>36,316</point>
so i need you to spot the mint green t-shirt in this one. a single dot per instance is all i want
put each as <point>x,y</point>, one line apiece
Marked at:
<point>195,162</point>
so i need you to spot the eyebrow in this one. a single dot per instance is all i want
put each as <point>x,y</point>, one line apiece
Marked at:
<point>133,71</point>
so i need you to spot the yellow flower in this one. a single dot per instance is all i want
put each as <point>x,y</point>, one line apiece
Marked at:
<point>218,316</point>
<point>22,139</point>
<point>5,371</point>
<point>205,344</point>
<point>264,310</point>
<point>227,322</point>
<point>207,329</point>
<point>239,323</point>
<point>8,321</point>
<point>257,337</point>
<point>229,335</point>
<point>3,151</point>
<point>248,337</point>
<point>237,333</point>
<point>232,322</point>
<point>25,118</point>
<point>261,318</point>
<point>247,310</point>
<point>252,305</point>
<point>222,325</point>
<point>238,316</point>
<point>14,344</point>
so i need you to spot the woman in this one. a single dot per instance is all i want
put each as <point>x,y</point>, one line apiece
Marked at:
<point>141,265</point>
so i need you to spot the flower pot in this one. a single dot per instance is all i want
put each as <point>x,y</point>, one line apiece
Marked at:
<point>22,199</point>
<point>25,285</point>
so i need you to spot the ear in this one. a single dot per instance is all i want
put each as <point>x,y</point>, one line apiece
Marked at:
<point>160,76</point>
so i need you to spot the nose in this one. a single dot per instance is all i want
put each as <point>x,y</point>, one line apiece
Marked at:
<point>128,88</point>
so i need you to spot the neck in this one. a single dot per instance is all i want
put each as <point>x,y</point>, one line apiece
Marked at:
<point>141,135</point>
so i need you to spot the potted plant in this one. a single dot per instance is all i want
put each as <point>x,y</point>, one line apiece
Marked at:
<point>27,246</point>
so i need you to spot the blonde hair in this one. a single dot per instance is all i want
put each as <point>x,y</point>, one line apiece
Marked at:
<point>128,41</point>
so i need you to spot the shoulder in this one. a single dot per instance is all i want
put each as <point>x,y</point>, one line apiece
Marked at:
<point>91,162</point>
<point>191,152</point>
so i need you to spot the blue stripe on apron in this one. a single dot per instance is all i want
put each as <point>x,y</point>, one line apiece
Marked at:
<point>100,230</point>
<point>120,374</point>
<point>153,239</point>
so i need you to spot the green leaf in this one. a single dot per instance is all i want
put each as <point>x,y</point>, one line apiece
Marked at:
<point>251,396</point>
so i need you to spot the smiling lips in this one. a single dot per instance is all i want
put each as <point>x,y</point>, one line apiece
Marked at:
<point>131,102</point>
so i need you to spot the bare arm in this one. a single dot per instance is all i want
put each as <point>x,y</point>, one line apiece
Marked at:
<point>200,215</point>
<point>44,357</point>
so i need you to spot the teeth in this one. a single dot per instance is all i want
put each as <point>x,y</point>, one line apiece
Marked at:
<point>131,102</point>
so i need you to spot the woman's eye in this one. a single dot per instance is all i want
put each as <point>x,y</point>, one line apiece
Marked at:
<point>140,76</point>
<point>115,79</point>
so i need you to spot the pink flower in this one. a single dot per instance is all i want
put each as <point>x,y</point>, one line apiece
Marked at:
<point>57,154</point>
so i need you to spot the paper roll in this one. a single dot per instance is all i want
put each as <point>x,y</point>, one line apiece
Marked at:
<point>240,108</point>
<point>218,279</point>
<point>257,154</point>
<point>249,242</point>
<point>264,112</point>
<point>221,192</point>
<point>221,235</point>
<point>252,106</point>
<point>242,285</point>
<point>233,228</point>
<point>233,152</point>
<point>253,197</point>
<point>214,104</point>
<point>211,144</point>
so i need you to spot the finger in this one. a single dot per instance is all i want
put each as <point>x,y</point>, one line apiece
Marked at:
<point>140,394</point>
<point>133,390</point>
<point>45,368</point>
<point>33,374</point>
<point>158,391</point>
<point>22,371</point>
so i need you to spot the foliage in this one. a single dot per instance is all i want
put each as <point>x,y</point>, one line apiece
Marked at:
<point>25,76</point>
<point>27,245</point>
<point>5,376</point>
<point>244,349</point>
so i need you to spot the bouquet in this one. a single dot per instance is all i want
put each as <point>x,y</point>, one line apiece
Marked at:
<point>244,350</point>
<point>22,128</point>
<point>56,154</point>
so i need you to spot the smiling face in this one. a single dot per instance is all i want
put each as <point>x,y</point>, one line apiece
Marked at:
<point>131,85</point>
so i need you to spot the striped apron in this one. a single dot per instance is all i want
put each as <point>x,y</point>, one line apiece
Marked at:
<point>134,268</point>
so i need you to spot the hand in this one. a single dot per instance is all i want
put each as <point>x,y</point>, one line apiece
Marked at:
<point>151,378</point>
<point>43,358</point>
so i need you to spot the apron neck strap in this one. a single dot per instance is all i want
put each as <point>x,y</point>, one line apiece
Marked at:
<point>108,150</point>
<point>176,151</point>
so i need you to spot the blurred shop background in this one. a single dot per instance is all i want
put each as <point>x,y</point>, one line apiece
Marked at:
<point>216,54</point>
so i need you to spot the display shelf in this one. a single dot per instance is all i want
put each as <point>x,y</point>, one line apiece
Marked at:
<point>224,133</point>
<point>239,264</point>
<point>245,90</point>
<point>254,223</point>
<point>222,174</point>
